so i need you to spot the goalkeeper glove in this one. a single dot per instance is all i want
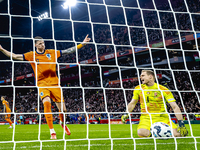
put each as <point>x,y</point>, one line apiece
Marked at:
<point>182,129</point>
<point>123,118</point>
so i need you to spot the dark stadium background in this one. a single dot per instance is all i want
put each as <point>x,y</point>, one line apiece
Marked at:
<point>131,51</point>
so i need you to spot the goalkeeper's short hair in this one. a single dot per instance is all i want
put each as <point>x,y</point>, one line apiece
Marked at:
<point>150,72</point>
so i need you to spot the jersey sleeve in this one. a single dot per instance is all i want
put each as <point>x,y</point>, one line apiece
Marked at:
<point>28,56</point>
<point>136,93</point>
<point>59,53</point>
<point>168,95</point>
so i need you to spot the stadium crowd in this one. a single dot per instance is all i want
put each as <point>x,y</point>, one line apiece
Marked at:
<point>114,100</point>
<point>95,101</point>
<point>102,33</point>
<point>5,71</point>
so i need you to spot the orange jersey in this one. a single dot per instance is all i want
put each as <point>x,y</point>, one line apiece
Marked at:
<point>7,105</point>
<point>46,72</point>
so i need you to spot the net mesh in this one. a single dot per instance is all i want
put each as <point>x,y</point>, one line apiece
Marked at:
<point>98,80</point>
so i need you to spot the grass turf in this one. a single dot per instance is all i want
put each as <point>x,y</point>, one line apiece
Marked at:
<point>98,135</point>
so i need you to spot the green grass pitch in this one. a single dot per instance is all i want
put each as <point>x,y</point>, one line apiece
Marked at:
<point>98,135</point>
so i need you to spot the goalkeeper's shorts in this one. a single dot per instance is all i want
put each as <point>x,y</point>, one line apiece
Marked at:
<point>53,93</point>
<point>145,122</point>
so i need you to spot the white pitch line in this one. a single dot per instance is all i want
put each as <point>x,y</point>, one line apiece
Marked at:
<point>85,145</point>
<point>75,131</point>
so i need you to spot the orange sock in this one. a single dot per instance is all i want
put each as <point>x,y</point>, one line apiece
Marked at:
<point>49,117</point>
<point>61,116</point>
<point>9,121</point>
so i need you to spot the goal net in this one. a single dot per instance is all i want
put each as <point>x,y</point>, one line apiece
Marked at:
<point>98,80</point>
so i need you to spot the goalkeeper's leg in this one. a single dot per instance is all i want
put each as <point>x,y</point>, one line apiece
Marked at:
<point>176,133</point>
<point>142,132</point>
<point>143,129</point>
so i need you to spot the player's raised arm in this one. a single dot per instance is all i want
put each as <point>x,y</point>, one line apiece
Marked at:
<point>73,49</point>
<point>8,54</point>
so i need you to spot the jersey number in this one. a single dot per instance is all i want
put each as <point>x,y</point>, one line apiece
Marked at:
<point>147,99</point>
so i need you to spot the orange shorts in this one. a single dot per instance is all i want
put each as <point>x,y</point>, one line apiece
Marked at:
<point>8,115</point>
<point>53,93</point>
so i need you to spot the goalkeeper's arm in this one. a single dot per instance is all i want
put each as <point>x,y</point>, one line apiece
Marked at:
<point>131,106</point>
<point>73,49</point>
<point>181,128</point>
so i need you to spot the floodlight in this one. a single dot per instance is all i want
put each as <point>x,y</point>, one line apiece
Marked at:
<point>69,3</point>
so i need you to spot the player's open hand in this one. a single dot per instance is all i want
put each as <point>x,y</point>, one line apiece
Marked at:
<point>86,39</point>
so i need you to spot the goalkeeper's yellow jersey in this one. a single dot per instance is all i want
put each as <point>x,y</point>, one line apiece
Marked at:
<point>153,97</point>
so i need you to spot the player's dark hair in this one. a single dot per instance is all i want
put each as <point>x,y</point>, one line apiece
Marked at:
<point>38,38</point>
<point>149,72</point>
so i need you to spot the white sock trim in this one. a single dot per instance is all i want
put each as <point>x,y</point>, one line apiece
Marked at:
<point>52,131</point>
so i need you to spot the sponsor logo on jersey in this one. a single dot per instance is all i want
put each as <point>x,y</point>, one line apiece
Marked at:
<point>48,56</point>
<point>41,94</point>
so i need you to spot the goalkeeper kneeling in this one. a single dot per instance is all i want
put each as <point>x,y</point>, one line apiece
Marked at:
<point>152,98</point>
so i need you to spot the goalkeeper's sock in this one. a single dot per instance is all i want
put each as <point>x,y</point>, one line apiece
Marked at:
<point>49,118</point>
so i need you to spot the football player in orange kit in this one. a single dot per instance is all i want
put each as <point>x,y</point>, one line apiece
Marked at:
<point>6,109</point>
<point>47,79</point>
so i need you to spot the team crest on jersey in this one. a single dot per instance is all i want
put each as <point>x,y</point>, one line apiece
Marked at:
<point>148,92</point>
<point>48,56</point>
<point>41,94</point>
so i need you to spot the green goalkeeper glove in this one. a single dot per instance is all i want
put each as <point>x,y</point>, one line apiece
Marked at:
<point>182,129</point>
<point>123,118</point>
